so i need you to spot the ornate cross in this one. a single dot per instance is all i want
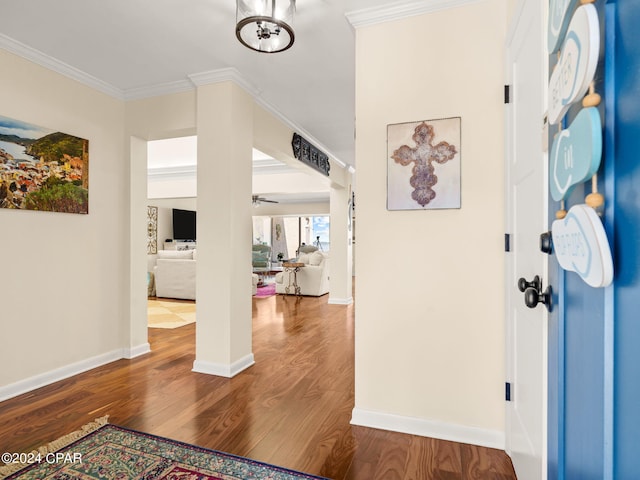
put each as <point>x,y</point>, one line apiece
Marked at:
<point>422,155</point>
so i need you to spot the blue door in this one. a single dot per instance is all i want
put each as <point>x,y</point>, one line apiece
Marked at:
<point>594,333</point>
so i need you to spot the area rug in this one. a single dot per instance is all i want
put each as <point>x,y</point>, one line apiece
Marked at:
<point>267,290</point>
<point>113,452</point>
<point>170,314</point>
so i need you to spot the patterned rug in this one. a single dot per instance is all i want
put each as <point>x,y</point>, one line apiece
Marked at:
<point>163,313</point>
<point>266,290</point>
<point>113,452</point>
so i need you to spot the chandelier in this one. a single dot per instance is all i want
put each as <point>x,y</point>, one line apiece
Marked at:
<point>265,25</point>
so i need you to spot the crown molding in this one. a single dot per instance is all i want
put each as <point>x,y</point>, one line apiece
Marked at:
<point>50,63</point>
<point>310,138</point>
<point>387,13</point>
<point>232,75</point>
<point>179,86</point>
<point>164,173</point>
<point>224,75</point>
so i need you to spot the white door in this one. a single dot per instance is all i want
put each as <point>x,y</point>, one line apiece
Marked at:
<point>526,219</point>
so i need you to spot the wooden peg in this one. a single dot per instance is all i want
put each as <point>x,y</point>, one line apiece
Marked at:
<point>560,214</point>
<point>594,200</point>
<point>592,99</point>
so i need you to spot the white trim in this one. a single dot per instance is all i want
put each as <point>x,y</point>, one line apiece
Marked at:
<point>138,351</point>
<point>232,75</point>
<point>270,108</point>
<point>387,13</point>
<point>47,378</point>
<point>429,428</point>
<point>224,370</point>
<point>36,56</point>
<point>179,86</point>
<point>168,88</point>
<point>340,301</point>
<point>224,75</point>
<point>163,173</point>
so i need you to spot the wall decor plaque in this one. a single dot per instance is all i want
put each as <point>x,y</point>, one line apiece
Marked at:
<point>310,155</point>
<point>575,153</point>
<point>581,246</point>
<point>152,230</point>
<point>577,64</point>
<point>423,164</point>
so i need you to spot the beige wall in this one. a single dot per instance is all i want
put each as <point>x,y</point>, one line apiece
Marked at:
<point>430,320</point>
<point>63,295</point>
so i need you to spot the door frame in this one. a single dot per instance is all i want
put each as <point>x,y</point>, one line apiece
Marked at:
<point>510,297</point>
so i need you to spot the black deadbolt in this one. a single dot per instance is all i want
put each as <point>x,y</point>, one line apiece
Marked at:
<point>546,243</point>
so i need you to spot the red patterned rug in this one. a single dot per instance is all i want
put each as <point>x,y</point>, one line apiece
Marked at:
<point>266,290</point>
<point>119,453</point>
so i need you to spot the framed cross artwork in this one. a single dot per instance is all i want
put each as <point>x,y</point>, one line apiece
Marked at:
<point>423,165</point>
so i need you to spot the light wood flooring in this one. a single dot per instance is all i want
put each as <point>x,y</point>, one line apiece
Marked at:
<point>292,408</point>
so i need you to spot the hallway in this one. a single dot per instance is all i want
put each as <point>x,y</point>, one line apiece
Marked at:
<point>292,408</point>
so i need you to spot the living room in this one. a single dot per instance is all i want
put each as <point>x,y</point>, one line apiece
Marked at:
<point>290,208</point>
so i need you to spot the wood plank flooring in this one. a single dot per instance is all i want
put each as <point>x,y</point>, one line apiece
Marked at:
<point>290,409</point>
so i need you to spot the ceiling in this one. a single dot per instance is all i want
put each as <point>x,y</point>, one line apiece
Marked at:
<point>134,49</point>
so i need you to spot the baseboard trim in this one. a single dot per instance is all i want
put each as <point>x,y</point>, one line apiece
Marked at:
<point>429,428</point>
<point>47,378</point>
<point>223,370</point>
<point>134,352</point>
<point>340,301</point>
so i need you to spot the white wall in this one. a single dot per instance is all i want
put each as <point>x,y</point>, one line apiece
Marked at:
<point>430,321</point>
<point>183,186</point>
<point>63,294</point>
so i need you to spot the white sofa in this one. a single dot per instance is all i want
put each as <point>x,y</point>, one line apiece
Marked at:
<point>175,274</point>
<point>313,278</point>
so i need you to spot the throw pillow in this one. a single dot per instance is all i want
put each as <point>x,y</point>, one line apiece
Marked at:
<point>303,258</point>
<point>316,258</point>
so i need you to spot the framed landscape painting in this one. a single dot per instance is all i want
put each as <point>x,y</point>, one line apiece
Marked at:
<point>423,164</point>
<point>42,169</point>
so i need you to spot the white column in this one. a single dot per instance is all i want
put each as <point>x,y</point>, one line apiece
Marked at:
<point>341,260</point>
<point>137,340</point>
<point>223,292</point>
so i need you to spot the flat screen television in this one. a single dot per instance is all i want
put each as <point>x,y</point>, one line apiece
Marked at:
<point>184,224</point>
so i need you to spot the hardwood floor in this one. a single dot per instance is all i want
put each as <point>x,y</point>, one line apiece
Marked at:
<point>292,408</point>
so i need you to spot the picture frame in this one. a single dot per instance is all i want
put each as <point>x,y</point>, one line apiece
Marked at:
<point>424,164</point>
<point>42,169</point>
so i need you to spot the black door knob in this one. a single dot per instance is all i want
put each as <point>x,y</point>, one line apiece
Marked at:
<point>546,243</point>
<point>536,284</point>
<point>533,297</point>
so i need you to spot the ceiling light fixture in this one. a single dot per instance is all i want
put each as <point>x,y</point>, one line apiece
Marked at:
<point>265,25</point>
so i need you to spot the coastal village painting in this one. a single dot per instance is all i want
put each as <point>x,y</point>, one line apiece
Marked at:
<point>41,169</point>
